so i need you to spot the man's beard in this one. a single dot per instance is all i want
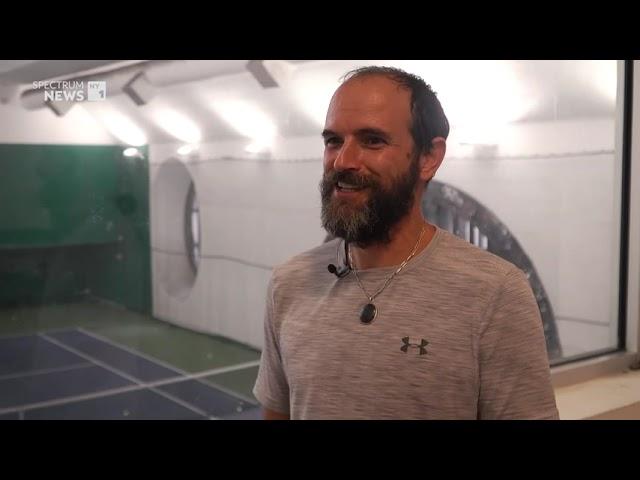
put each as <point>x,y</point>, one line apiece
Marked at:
<point>370,223</point>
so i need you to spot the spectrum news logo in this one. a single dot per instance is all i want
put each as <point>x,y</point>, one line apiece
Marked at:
<point>72,91</point>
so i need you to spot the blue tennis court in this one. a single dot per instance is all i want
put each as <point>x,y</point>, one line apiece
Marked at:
<point>77,374</point>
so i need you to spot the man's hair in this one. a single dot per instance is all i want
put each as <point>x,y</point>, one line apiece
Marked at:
<point>427,117</point>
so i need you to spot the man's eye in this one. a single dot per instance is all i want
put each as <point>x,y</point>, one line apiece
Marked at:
<point>331,141</point>
<point>373,141</point>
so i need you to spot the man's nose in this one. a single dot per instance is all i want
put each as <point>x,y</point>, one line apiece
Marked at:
<point>349,156</point>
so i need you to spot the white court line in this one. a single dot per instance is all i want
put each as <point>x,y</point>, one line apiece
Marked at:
<point>211,383</point>
<point>129,388</point>
<point>123,374</point>
<point>208,383</point>
<point>44,371</point>
<point>101,338</point>
<point>36,334</point>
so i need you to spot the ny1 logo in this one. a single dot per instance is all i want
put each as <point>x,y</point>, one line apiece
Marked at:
<point>97,91</point>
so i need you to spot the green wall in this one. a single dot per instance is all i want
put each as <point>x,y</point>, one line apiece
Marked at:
<point>74,220</point>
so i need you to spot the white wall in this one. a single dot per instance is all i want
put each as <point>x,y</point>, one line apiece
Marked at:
<point>255,214</point>
<point>555,188</point>
<point>552,184</point>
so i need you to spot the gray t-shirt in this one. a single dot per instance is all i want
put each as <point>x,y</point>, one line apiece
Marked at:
<point>458,335</point>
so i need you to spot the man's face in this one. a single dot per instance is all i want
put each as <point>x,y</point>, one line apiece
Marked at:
<point>370,169</point>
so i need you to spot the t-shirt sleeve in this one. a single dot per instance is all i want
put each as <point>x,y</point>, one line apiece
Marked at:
<point>515,378</point>
<point>271,388</point>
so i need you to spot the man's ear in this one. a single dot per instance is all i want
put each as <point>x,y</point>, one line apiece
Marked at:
<point>431,161</point>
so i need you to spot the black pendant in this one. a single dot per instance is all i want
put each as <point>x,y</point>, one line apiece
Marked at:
<point>368,313</point>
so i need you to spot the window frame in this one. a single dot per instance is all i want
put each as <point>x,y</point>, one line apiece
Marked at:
<point>594,364</point>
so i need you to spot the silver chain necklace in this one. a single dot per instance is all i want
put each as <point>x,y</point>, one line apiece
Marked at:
<point>370,311</point>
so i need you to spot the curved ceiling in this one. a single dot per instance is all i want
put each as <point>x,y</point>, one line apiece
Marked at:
<point>470,91</point>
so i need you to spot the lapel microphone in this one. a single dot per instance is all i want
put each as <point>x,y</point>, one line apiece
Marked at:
<point>340,271</point>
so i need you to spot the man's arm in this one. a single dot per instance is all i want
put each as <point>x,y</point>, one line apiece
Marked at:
<point>271,388</point>
<point>273,415</point>
<point>515,380</point>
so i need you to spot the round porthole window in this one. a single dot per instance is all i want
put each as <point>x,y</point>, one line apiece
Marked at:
<point>192,228</point>
<point>175,229</point>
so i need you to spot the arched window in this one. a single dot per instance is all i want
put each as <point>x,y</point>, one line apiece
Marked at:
<point>464,216</point>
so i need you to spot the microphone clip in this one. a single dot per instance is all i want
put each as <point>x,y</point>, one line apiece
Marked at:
<point>343,271</point>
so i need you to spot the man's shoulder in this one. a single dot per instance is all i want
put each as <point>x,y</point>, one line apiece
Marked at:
<point>464,259</point>
<point>465,271</point>
<point>308,263</point>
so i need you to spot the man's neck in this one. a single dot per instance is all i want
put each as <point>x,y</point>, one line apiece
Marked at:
<point>404,236</point>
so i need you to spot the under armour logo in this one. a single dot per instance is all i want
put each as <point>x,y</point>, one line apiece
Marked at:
<point>422,345</point>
